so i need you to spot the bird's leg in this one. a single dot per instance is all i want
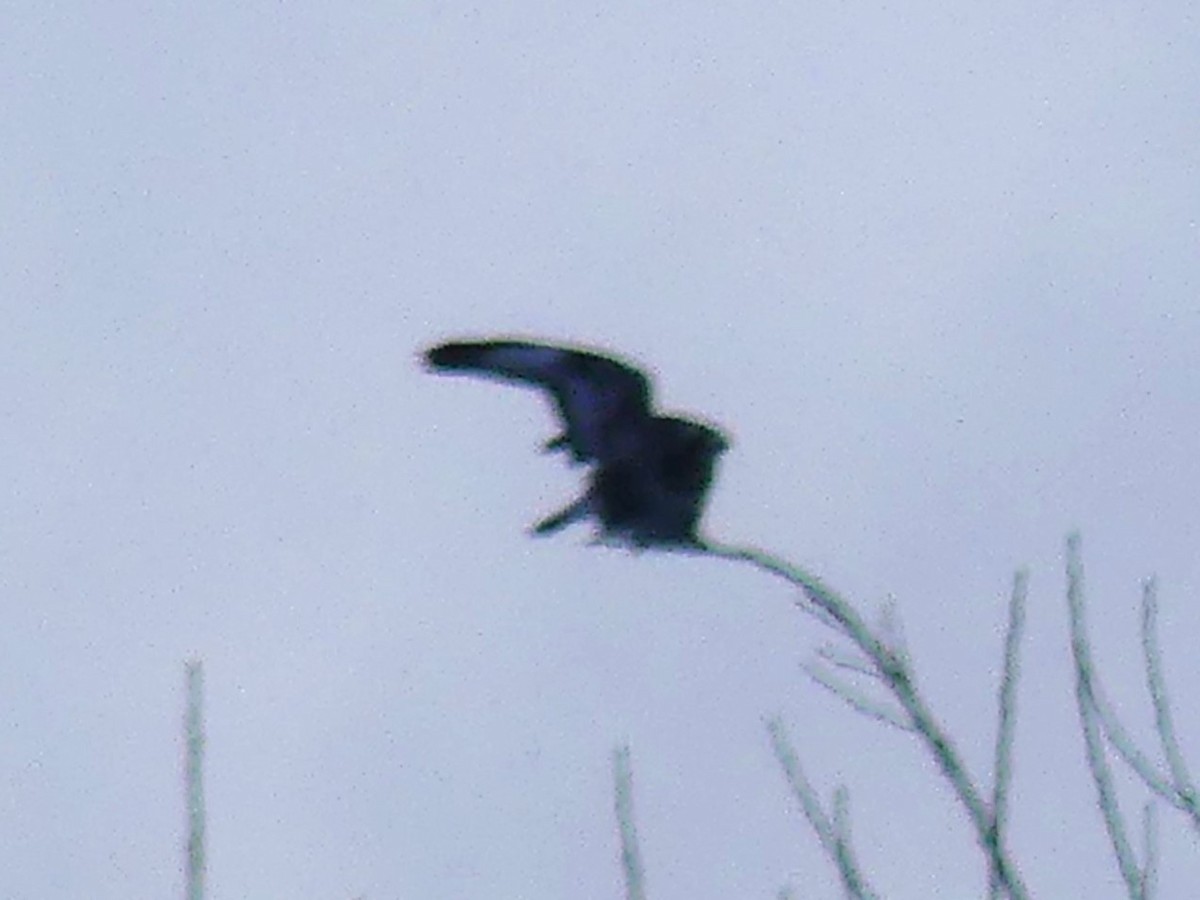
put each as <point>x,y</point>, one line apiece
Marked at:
<point>580,509</point>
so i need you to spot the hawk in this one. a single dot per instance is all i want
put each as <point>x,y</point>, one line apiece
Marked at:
<point>649,474</point>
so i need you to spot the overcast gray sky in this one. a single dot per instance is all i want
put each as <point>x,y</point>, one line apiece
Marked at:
<point>933,265</point>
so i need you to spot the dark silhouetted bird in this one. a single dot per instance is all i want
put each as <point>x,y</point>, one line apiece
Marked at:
<point>650,474</point>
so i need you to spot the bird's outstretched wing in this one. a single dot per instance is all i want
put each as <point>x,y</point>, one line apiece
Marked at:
<point>604,403</point>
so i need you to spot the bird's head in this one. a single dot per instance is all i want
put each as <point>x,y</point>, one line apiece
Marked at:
<point>699,438</point>
<point>719,441</point>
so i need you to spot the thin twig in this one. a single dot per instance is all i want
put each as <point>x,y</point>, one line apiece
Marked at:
<point>1007,715</point>
<point>631,857</point>
<point>194,778</point>
<point>1150,850</point>
<point>1097,761</point>
<point>839,658</point>
<point>1181,797</point>
<point>896,674</point>
<point>856,699</point>
<point>1156,684</point>
<point>891,629</point>
<point>1126,748</point>
<point>841,813</point>
<point>831,832</point>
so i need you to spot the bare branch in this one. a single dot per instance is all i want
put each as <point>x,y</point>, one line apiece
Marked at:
<point>833,833</point>
<point>841,813</point>
<point>856,699</point>
<point>891,630</point>
<point>631,857</point>
<point>1097,761</point>
<point>838,657</point>
<point>1125,747</point>
<point>895,672</point>
<point>1007,714</point>
<point>1157,686</point>
<point>194,779</point>
<point>1174,788</point>
<point>1150,850</point>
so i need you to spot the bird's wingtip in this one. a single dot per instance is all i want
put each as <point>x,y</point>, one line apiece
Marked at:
<point>452,355</point>
<point>437,356</point>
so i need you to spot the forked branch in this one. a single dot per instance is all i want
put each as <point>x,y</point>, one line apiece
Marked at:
<point>891,665</point>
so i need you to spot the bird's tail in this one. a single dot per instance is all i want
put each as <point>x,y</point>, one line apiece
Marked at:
<point>576,512</point>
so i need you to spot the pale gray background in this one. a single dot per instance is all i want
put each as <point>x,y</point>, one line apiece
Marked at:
<point>934,266</point>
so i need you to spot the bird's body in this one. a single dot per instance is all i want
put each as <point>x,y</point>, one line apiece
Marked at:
<point>651,473</point>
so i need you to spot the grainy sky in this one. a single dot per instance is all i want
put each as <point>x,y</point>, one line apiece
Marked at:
<point>934,265</point>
